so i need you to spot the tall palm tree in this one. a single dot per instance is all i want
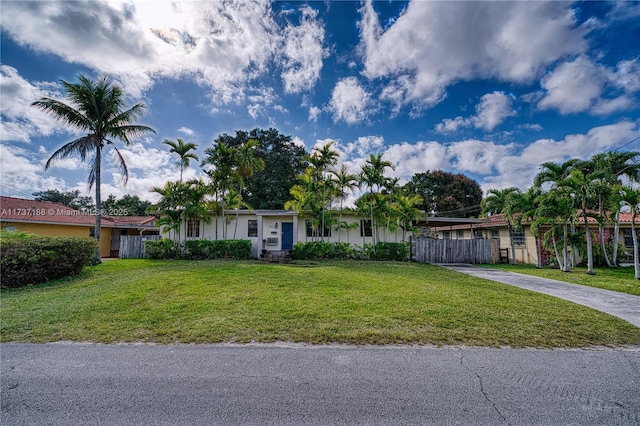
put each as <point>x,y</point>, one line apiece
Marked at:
<point>631,197</point>
<point>500,201</point>
<point>320,160</point>
<point>372,175</point>
<point>184,152</point>
<point>583,189</point>
<point>221,157</point>
<point>246,164</point>
<point>407,210</point>
<point>344,181</point>
<point>97,109</point>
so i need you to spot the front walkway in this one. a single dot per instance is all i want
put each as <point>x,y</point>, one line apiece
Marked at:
<point>621,305</point>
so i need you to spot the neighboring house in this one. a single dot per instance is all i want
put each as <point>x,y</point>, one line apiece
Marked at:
<point>524,240</point>
<point>53,219</point>
<point>277,230</point>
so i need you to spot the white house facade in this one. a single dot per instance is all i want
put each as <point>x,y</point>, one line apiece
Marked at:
<point>277,230</point>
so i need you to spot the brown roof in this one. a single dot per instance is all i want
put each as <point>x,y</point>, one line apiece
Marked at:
<point>497,220</point>
<point>22,210</point>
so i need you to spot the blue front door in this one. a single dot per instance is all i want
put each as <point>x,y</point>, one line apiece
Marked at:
<point>287,235</point>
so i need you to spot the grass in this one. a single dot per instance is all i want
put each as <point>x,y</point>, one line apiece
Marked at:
<point>616,279</point>
<point>345,302</point>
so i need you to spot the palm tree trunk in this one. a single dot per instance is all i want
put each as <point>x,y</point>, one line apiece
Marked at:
<point>235,229</point>
<point>616,239</point>
<point>555,250</point>
<point>589,244</point>
<point>636,260</point>
<point>513,246</point>
<point>601,233</point>
<point>565,250</point>
<point>98,212</point>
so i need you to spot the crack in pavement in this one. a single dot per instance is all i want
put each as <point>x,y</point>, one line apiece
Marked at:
<point>484,393</point>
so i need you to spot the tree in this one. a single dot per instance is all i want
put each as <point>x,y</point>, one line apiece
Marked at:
<point>500,201</point>
<point>407,211</point>
<point>245,165</point>
<point>97,108</point>
<point>221,157</point>
<point>344,181</point>
<point>446,194</point>
<point>184,152</point>
<point>630,197</point>
<point>320,160</point>
<point>72,199</point>
<point>128,205</point>
<point>372,176</point>
<point>284,160</point>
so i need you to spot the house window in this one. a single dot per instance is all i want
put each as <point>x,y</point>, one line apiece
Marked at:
<point>460,234</point>
<point>477,234</point>
<point>628,238</point>
<point>193,229</point>
<point>311,232</point>
<point>9,228</point>
<point>92,232</point>
<point>517,237</point>
<point>365,228</point>
<point>253,228</point>
<point>446,235</point>
<point>495,234</point>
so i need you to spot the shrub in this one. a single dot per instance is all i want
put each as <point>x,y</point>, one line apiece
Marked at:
<point>29,259</point>
<point>391,251</point>
<point>218,249</point>
<point>162,249</point>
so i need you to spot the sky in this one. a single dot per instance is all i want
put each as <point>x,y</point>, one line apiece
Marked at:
<point>487,89</point>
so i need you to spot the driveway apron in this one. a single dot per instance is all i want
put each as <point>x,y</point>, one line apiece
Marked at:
<point>621,305</point>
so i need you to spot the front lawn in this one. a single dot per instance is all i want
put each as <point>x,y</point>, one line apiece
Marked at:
<point>616,279</point>
<point>319,302</point>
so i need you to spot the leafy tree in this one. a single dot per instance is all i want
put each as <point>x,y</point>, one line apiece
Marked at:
<point>183,150</point>
<point>96,108</point>
<point>320,161</point>
<point>72,199</point>
<point>344,181</point>
<point>221,158</point>
<point>446,194</point>
<point>284,160</point>
<point>245,163</point>
<point>501,201</point>
<point>129,205</point>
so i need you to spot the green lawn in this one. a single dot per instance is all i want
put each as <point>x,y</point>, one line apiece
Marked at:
<point>616,279</point>
<point>346,302</point>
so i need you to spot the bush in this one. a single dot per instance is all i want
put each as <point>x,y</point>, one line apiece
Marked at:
<point>30,259</point>
<point>325,250</point>
<point>218,249</point>
<point>162,249</point>
<point>391,251</point>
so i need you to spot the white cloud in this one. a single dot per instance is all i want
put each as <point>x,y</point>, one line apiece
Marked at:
<point>349,101</point>
<point>302,52</point>
<point>492,110</point>
<point>21,121</point>
<point>186,131</point>
<point>434,44</point>
<point>582,85</point>
<point>314,113</point>
<point>476,156</point>
<point>22,175</point>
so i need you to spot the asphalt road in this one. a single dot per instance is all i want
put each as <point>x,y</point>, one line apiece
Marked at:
<point>94,384</point>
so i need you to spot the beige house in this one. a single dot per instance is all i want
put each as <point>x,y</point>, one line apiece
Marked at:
<point>58,220</point>
<point>526,247</point>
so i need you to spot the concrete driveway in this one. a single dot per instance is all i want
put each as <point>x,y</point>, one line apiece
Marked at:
<point>621,305</point>
<point>94,384</point>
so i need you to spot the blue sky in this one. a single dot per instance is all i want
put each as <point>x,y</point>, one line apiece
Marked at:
<point>488,89</point>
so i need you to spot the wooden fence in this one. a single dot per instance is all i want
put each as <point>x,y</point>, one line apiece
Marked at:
<point>429,250</point>
<point>132,246</point>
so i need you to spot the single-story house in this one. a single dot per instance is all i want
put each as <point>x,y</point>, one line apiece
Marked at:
<point>526,247</point>
<point>280,230</point>
<point>53,219</point>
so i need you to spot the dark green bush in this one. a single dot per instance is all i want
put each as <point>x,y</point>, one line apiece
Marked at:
<point>218,249</point>
<point>326,250</point>
<point>29,259</point>
<point>162,249</point>
<point>391,251</point>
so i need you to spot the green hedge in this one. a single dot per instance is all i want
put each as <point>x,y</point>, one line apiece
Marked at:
<point>218,249</point>
<point>199,249</point>
<point>28,259</point>
<point>325,250</point>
